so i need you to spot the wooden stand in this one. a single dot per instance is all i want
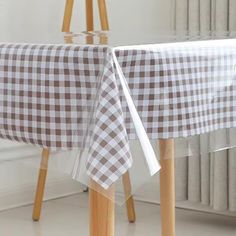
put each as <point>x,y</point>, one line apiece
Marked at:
<point>67,15</point>
<point>89,15</point>
<point>102,208</point>
<point>129,199</point>
<point>167,185</point>
<point>41,185</point>
<point>102,211</point>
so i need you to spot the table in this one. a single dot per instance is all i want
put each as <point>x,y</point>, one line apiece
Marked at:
<point>60,96</point>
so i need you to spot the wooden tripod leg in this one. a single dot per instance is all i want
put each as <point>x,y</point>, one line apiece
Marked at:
<point>41,185</point>
<point>89,15</point>
<point>129,198</point>
<point>67,15</point>
<point>89,20</point>
<point>102,211</point>
<point>167,185</point>
<point>103,15</point>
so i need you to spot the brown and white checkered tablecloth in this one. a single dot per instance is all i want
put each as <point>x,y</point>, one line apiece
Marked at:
<point>65,96</point>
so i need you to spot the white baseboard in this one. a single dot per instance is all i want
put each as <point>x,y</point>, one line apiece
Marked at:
<point>187,205</point>
<point>17,186</point>
<point>24,194</point>
<point>18,182</point>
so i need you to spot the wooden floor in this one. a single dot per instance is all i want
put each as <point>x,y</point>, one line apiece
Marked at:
<point>69,217</point>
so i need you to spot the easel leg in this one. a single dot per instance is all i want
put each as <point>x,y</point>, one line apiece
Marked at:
<point>89,20</point>
<point>41,185</point>
<point>167,186</point>
<point>103,15</point>
<point>89,15</point>
<point>102,211</point>
<point>130,201</point>
<point>67,15</point>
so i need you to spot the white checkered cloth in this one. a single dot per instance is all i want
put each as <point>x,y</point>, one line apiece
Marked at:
<point>65,96</point>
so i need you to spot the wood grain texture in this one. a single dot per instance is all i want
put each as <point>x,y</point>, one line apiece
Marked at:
<point>129,198</point>
<point>41,185</point>
<point>103,15</point>
<point>89,15</point>
<point>167,187</point>
<point>102,210</point>
<point>67,15</point>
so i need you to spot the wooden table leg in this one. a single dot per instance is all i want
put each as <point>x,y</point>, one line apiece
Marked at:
<point>41,185</point>
<point>129,198</point>
<point>67,15</point>
<point>167,186</point>
<point>102,211</point>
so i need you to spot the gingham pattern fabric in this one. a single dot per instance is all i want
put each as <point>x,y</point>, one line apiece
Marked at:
<point>60,97</point>
<point>181,89</point>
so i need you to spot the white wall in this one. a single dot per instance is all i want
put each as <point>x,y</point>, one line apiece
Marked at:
<point>37,16</point>
<point>21,18</point>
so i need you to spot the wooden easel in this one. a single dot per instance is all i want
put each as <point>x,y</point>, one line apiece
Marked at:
<point>94,196</point>
<point>89,15</point>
